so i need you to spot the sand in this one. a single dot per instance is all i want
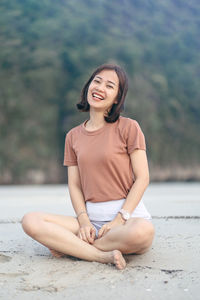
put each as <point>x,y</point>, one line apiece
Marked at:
<point>169,270</point>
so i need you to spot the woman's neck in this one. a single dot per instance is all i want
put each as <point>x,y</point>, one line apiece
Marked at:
<point>96,120</point>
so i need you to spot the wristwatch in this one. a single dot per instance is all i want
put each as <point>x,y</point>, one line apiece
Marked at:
<point>125,214</point>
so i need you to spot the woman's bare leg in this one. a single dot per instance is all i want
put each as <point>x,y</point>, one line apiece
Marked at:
<point>135,236</point>
<point>60,233</point>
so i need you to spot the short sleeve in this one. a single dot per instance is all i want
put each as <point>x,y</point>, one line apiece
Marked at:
<point>135,137</point>
<point>70,158</point>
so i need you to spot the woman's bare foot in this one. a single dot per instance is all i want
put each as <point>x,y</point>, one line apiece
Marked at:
<point>115,257</point>
<point>56,253</point>
<point>118,260</point>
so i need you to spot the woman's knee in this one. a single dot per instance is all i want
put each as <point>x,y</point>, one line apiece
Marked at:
<point>31,223</point>
<point>141,233</point>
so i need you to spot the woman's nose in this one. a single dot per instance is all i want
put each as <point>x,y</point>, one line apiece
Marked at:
<point>100,87</point>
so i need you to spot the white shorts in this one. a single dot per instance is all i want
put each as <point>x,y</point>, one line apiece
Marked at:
<point>101,212</point>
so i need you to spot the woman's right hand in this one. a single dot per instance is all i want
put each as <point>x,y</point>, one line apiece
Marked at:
<point>87,233</point>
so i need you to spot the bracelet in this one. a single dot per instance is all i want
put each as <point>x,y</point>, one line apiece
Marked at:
<point>82,212</point>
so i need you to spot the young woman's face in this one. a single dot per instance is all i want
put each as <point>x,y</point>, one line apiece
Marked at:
<point>103,90</point>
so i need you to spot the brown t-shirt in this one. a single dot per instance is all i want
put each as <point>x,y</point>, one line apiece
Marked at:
<point>103,158</point>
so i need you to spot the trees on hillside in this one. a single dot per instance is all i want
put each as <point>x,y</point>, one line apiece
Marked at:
<point>48,49</point>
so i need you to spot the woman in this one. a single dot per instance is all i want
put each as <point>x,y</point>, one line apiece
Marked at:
<point>107,176</point>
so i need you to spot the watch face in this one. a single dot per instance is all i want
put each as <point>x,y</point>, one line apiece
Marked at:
<point>126,216</point>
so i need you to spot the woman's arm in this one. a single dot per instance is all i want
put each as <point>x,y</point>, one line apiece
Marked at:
<point>74,184</point>
<point>87,231</point>
<point>141,173</point>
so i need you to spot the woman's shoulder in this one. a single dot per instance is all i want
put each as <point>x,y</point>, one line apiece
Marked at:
<point>129,127</point>
<point>74,130</point>
<point>125,122</point>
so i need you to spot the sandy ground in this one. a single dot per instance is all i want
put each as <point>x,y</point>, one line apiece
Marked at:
<point>170,270</point>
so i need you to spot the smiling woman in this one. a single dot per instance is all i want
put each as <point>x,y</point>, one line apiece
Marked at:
<point>107,176</point>
<point>116,81</point>
<point>103,88</point>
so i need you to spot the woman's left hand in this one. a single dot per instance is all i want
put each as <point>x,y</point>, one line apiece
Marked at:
<point>106,227</point>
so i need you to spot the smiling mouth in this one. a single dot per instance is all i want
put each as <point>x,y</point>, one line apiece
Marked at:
<point>97,96</point>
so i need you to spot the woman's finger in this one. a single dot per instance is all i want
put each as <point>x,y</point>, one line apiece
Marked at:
<point>101,231</point>
<point>83,234</point>
<point>88,235</point>
<point>105,229</point>
<point>93,233</point>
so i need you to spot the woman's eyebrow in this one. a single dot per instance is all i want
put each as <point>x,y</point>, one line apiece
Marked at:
<point>111,82</point>
<point>108,80</point>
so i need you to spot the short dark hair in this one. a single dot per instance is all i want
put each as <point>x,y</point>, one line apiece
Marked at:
<point>116,108</point>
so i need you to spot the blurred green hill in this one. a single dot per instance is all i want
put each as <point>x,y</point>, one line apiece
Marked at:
<point>49,48</point>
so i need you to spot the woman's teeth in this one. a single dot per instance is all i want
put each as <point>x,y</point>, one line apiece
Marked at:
<point>97,96</point>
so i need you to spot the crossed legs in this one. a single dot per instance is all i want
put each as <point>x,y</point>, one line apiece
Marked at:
<point>60,233</point>
<point>135,236</point>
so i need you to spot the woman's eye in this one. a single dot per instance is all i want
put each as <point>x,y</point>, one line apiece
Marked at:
<point>110,86</point>
<point>97,81</point>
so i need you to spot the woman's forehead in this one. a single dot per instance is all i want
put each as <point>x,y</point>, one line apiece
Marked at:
<point>108,75</point>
